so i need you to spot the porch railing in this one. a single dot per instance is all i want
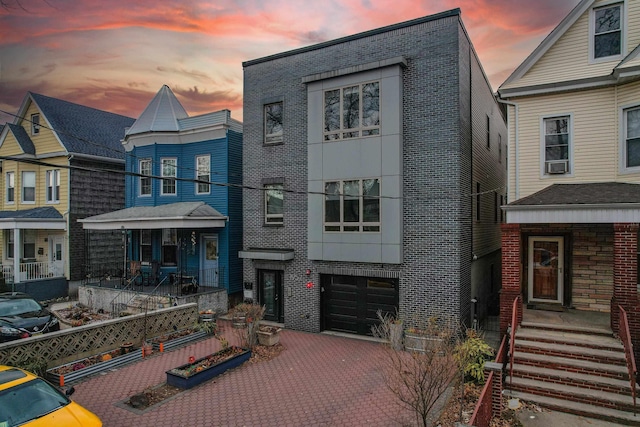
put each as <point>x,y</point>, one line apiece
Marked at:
<point>28,271</point>
<point>625,337</point>
<point>512,338</point>
<point>483,412</point>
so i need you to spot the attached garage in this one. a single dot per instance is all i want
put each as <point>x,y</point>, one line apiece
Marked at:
<point>350,303</point>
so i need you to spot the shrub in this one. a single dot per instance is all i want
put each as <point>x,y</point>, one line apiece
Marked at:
<point>471,355</point>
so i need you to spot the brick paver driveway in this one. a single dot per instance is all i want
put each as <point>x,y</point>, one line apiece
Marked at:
<point>318,380</point>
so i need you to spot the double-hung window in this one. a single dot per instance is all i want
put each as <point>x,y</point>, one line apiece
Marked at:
<point>53,186</point>
<point>607,31</point>
<point>352,205</point>
<point>273,123</point>
<point>556,145</point>
<point>11,187</point>
<point>169,246</point>
<point>35,124</point>
<point>29,244</point>
<point>10,239</point>
<point>203,174</point>
<point>169,174</point>
<point>352,111</point>
<point>28,187</point>
<point>273,203</point>
<point>145,246</point>
<point>145,177</point>
<point>632,136</point>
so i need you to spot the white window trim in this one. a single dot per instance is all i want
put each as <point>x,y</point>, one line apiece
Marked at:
<point>277,138</point>
<point>360,223</point>
<point>543,159</point>
<point>197,174</point>
<point>163,176</point>
<point>140,178</point>
<point>623,33</point>
<point>275,217</point>
<point>623,140</point>
<point>142,244</point>
<point>56,187</point>
<point>359,129</point>
<point>6,188</point>
<point>35,128</point>
<point>35,192</point>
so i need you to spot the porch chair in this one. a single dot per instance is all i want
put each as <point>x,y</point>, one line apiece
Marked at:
<point>152,276</point>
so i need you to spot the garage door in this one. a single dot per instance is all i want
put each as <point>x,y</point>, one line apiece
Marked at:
<point>350,303</point>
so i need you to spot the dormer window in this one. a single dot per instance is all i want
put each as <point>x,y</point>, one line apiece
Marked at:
<point>607,31</point>
<point>35,124</point>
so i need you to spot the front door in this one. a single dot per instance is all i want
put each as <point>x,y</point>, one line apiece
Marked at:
<point>56,262</point>
<point>270,294</point>
<point>209,261</point>
<point>546,266</point>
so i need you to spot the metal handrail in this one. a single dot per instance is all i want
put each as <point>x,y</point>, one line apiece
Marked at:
<point>625,337</point>
<point>483,412</point>
<point>512,338</point>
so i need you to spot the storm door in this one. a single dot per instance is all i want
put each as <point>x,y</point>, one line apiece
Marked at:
<point>546,265</point>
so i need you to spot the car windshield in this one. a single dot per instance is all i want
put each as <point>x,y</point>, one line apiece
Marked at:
<point>28,401</point>
<point>16,307</point>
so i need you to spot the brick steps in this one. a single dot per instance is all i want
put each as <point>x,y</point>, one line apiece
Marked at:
<point>573,369</point>
<point>577,408</point>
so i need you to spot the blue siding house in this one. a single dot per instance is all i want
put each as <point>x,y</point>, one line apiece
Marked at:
<point>183,197</point>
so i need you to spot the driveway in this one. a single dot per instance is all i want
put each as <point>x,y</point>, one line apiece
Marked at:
<point>318,380</point>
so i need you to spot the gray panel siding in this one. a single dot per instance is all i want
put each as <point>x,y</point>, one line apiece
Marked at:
<point>435,272</point>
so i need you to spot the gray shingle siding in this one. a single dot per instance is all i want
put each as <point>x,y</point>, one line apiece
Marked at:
<point>437,169</point>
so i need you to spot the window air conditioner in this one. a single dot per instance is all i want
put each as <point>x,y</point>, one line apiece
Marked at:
<point>557,166</point>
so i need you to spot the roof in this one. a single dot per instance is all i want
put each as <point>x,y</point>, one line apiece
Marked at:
<point>161,115</point>
<point>35,213</point>
<point>173,215</point>
<point>583,194</point>
<point>24,141</point>
<point>84,130</point>
<point>388,28</point>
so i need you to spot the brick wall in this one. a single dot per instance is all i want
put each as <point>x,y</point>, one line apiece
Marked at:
<point>592,266</point>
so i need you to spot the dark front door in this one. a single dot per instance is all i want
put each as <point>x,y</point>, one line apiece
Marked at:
<point>270,294</point>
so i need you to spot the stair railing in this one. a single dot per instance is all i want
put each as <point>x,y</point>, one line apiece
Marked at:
<point>625,337</point>
<point>512,338</point>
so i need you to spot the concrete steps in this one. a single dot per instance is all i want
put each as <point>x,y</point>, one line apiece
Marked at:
<point>573,369</point>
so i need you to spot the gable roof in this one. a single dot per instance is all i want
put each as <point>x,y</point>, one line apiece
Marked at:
<point>24,141</point>
<point>161,115</point>
<point>583,194</point>
<point>81,130</point>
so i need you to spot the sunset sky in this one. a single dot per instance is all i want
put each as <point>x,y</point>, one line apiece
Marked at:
<point>115,55</point>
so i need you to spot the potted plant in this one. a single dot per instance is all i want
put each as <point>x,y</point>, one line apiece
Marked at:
<point>268,335</point>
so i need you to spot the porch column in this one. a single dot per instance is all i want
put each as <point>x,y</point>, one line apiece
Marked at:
<point>511,273</point>
<point>17,242</point>
<point>625,278</point>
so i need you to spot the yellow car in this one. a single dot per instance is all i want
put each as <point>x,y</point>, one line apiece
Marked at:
<point>28,400</point>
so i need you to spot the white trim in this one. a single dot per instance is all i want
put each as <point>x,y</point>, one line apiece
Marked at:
<point>543,157</point>
<point>266,254</point>
<point>33,224</point>
<point>623,27</point>
<point>152,223</point>
<point>35,128</point>
<point>148,177</point>
<point>22,187</point>
<point>623,138</point>
<point>6,187</point>
<point>168,177</point>
<point>573,214</point>
<point>197,174</point>
<point>560,284</point>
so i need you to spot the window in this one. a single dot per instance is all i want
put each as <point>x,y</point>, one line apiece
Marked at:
<point>145,246</point>
<point>10,243</point>
<point>53,186</point>
<point>496,207</point>
<point>145,180</point>
<point>11,187</point>
<point>273,123</point>
<point>35,124</point>
<point>352,111</point>
<point>169,246</point>
<point>203,174</point>
<point>28,187</point>
<point>499,148</point>
<point>488,132</point>
<point>352,206</point>
<point>556,145</point>
<point>607,31</point>
<point>273,203</point>
<point>29,244</point>
<point>169,175</point>
<point>632,136</point>
<point>477,201</point>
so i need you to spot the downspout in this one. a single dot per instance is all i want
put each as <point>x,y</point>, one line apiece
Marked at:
<point>517,149</point>
<point>67,260</point>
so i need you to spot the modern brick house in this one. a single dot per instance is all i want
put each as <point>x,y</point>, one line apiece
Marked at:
<point>374,168</point>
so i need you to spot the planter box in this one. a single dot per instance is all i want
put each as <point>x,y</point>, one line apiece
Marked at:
<point>421,343</point>
<point>269,338</point>
<point>180,341</point>
<point>184,381</point>
<point>72,376</point>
